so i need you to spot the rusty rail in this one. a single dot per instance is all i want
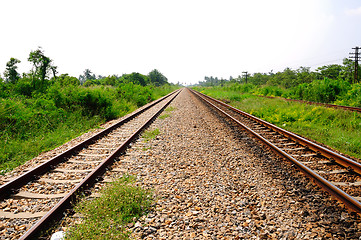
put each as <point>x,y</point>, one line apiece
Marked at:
<point>348,200</point>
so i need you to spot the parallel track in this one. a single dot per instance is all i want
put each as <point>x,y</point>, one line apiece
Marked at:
<point>335,173</point>
<point>53,186</point>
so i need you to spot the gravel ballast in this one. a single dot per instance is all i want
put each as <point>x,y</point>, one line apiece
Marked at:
<point>212,181</point>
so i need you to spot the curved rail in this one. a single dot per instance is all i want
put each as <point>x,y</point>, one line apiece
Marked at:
<point>66,202</point>
<point>348,200</point>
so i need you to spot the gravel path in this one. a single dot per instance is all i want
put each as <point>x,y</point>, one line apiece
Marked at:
<point>212,183</point>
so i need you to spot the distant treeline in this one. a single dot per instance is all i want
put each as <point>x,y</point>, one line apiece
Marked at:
<point>328,84</point>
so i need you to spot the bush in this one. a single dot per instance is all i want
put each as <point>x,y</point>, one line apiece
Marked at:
<point>352,97</point>
<point>324,91</point>
<point>269,91</point>
<point>135,93</point>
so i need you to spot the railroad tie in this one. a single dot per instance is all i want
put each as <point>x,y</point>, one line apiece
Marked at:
<point>22,215</point>
<point>333,171</point>
<point>92,155</point>
<point>25,194</point>
<point>90,161</point>
<point>345,184</point>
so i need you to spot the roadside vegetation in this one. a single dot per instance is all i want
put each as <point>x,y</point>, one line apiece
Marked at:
<point>106,217</point>
<point>336,128</point>
<point>40,110</point>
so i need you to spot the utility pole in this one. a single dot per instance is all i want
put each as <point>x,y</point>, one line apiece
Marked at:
<point>355,58</point>
<point>246,73</point>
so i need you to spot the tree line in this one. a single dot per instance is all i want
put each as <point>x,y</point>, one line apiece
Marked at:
<point>289,78</point>
<point>327,84</point>
<point>44,72</point>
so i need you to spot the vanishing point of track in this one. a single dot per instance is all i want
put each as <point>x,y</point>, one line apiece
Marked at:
<point>335,173</point>
<point>56,183</point>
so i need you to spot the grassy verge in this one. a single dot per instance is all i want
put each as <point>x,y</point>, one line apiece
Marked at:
<point>336,128</point>
<point>31,125</point>
<point>16,151</point>
<point>106,217</point>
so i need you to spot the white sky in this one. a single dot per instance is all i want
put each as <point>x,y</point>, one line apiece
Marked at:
<point>185,40</point>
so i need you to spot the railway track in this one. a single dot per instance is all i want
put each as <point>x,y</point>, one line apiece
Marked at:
<point>335,173</point>
<point>32,201</point>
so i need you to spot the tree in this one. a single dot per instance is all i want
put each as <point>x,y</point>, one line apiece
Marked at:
<point>347,72</point>
<point>42,65</point>
<point>87,75</point>
<point>157,78</point>
<point>66,80</point>
<point>136,78</point>
<point>330,71</point>
<point>11,73</point>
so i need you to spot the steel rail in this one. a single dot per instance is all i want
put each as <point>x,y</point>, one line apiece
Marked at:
<point>11,186</point>
<point>348,200</point>
<point>65,203</point>
<point>356,109</point>
<point>345,161</point>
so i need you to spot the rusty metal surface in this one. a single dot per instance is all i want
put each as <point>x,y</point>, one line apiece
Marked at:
<point>348,200</point>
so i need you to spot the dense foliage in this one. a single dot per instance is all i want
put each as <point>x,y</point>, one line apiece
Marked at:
<point>40,110</point>
<point>328,84</point>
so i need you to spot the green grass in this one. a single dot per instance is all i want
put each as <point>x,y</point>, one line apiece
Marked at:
<point>336,128</point>
<point>167,111</point>
<point>150,134</point>
<point>170,109</point>
<point>33,124</point>
<point>164,116</point>
<point>15,152</point>
<point>105,217</point>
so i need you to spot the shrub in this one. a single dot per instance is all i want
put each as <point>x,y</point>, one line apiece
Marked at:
<point>325,91</point>
<point>352,97</point>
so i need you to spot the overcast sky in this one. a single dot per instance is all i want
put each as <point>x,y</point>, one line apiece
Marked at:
<point>185,40</point>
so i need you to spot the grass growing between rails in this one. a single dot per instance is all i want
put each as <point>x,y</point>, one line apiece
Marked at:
<point>105,217</point>
<point>336,128</point>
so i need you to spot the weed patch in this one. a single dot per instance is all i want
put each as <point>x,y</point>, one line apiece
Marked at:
<point>150,134</point>
<point>106,216</point>
<point>163,116</point>
<point>170,109</point>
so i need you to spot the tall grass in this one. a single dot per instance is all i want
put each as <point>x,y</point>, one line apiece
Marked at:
<point>41,120</point>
